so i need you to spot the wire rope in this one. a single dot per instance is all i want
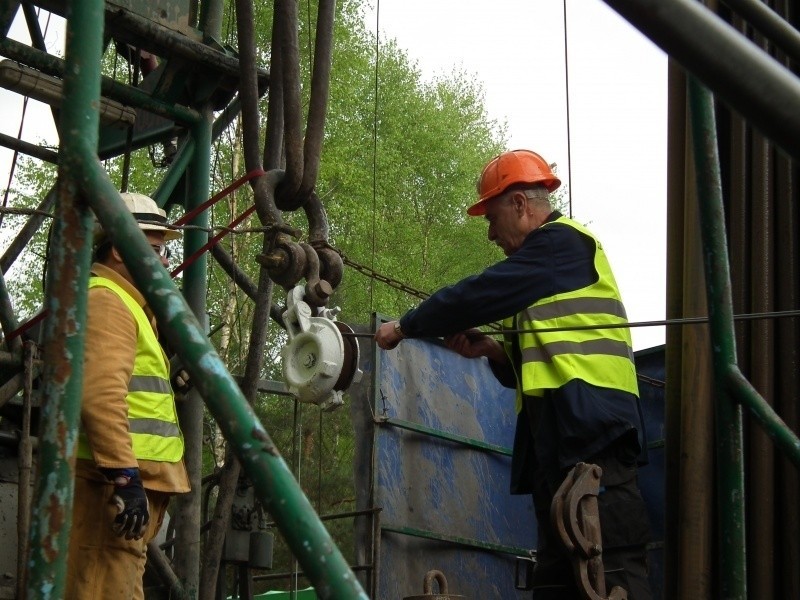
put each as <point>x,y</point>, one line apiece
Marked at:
<point>566,88</point>
<point>375,147</point>
<point>659,323</point>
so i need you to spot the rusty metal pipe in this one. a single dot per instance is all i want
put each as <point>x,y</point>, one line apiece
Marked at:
<point>67,292</point>
<point>25,452</point>
<point>248,91</point>
<point>273,142</point>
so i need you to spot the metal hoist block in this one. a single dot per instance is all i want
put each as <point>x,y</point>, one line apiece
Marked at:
<point>318,365</point>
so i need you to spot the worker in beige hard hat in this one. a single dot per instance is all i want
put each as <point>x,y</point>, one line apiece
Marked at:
<point>152,221</point>
<point>130,446</point>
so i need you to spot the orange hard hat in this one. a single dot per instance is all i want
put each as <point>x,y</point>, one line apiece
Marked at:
<point>510,168</point>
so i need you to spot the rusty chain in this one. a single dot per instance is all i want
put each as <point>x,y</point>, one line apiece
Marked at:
<point>373,274</point>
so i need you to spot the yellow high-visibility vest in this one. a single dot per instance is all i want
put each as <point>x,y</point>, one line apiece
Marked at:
<point>152,416</point>
<point>602,357</point>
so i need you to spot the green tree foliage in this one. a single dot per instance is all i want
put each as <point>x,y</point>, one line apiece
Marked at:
<point>398,172</point>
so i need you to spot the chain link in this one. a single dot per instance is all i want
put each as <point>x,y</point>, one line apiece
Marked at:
<point>393,283</point>
<point>373,274</point>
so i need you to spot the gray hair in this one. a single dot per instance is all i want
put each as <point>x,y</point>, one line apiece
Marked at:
<point>539,196</point>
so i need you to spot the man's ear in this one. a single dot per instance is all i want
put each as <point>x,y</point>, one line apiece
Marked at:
<point>520,202</point>
<point>115,253</point>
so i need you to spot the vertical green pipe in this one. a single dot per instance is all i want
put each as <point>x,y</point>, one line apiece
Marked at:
<point>191,409</point>
<point>67,285</point>
<point>195,287</point>
<point>730,467</point>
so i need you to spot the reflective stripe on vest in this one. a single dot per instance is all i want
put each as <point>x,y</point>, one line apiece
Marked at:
<point>152,417</point>
<point>583,350</point>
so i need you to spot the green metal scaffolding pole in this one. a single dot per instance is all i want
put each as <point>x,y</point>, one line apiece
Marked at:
<point>728,414</point>
<point>732,387</point>
<point>67,291</point>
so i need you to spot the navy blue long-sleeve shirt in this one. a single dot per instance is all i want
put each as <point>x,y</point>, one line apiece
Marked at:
<point>580,420</point>
<point>551,260</point>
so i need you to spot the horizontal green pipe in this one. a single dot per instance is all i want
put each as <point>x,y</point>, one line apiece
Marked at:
<point>453,437</point>
<point>461,541</point>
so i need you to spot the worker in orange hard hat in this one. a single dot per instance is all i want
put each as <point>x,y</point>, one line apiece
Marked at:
<point>577,393</point>
<point>518,167</point>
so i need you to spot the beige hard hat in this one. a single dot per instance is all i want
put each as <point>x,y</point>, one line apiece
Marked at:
<point>149,216</point>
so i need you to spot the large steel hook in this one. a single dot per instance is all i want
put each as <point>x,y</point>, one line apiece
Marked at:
<point>576,519</point>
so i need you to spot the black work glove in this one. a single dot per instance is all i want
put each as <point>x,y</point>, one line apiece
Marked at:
<point>181,382</point>
<point>133,511</point>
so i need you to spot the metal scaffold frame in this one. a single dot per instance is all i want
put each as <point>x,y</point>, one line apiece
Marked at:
<point>84,191</point>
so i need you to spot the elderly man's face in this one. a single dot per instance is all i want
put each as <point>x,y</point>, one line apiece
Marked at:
<point>505,215</point>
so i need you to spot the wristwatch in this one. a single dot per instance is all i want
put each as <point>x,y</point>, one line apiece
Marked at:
<point>397,329</point>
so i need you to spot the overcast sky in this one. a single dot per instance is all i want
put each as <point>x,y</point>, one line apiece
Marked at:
<point>617,113</point>
<point>616,155</point>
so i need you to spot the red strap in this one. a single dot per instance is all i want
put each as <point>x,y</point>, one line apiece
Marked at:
<point>219,196</point>
<point>27,325</point>
<point>212,241</point>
